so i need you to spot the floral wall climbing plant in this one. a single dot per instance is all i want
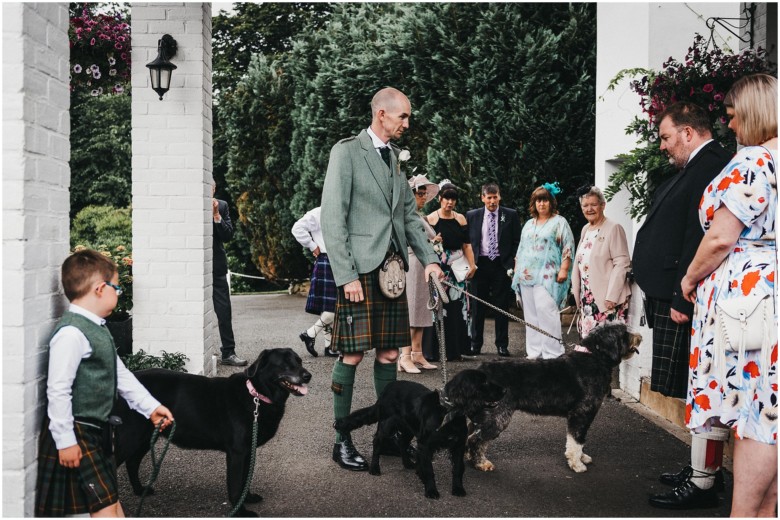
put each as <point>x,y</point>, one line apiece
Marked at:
<point>703,77</point>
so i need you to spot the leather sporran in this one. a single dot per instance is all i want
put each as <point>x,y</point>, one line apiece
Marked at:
<point>392,277</point>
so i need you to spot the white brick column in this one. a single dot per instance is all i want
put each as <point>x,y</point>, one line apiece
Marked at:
<point>36,176</point>
<point>172,254</point>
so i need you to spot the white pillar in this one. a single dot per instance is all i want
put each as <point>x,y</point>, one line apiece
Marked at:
<point>36,176</point>
<point>172,254</point>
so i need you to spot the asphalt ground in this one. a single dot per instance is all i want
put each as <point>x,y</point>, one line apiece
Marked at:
<point>297,478</point>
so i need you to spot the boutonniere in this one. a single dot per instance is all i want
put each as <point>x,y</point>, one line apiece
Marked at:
<point>503,218</point>
<point>404,156</point>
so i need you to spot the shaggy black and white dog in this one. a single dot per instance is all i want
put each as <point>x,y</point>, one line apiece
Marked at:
<point>437,421</point>
<point>573,386</point>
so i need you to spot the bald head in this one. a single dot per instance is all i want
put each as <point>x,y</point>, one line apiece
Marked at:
<point>390,111</point>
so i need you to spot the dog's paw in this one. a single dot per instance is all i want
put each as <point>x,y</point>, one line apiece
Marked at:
<point>578,466</point>
<point>374,471</point>
<point>485,465</point>
<point>459,492</point>
<point>253,498</point>
<point>432,493</point>
<point>586,459</point>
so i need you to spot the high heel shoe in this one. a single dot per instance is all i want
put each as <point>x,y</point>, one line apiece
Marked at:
<point>419,360</point>
<point>405,365</point>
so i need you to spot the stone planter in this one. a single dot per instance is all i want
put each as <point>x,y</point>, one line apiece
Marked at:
<point>122,331</point>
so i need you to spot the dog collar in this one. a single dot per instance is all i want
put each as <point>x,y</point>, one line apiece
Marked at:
<point>255,393</point>
<point>580,348</point>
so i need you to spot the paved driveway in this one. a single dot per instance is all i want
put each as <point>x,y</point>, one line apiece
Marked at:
<point>296,477</point>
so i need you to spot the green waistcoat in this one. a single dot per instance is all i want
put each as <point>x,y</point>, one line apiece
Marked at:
<point>94,389</point>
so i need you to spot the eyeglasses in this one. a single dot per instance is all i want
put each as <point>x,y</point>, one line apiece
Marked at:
<point>117,288</point>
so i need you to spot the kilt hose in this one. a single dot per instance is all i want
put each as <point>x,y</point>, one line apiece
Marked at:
<point>323,292</point>
<point>671,350</point>
<point>69,491</point>
<point>375,323</point>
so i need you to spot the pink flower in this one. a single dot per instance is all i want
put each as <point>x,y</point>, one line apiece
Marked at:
<point>92,41</point>
<point>708,87</point>
<point>718,96</point>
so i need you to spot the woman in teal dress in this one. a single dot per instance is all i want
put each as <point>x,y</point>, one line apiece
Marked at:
<point>543,271</point>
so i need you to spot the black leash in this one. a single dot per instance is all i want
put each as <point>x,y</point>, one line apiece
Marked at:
<point>156,464</point>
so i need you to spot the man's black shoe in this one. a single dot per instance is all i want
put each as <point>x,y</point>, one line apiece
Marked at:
<point>472,352</point>
<point>346,455</point>
<point>330,353</point>
<point>503,352</point>
<point>686,496</point>
<point>309,342</point>
<point>675,479</point>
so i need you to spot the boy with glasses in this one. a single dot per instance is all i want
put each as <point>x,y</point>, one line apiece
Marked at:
<point>76,473</point>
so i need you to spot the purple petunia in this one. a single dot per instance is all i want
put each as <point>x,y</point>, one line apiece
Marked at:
<point>77,68</point>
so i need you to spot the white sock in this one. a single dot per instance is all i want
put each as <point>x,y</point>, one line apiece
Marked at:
<point>703,475</point>
<point>325,319</point>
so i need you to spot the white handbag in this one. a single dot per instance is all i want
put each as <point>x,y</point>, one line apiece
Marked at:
<point>460,268</point>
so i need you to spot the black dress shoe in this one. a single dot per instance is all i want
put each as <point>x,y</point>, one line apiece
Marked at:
<point>503,352</point>
<point>309,342</point>
<point>346,455</point>
<point>675,479</point>
<point>330,353</point>
<point>472,352</point>
<point>686,496</point>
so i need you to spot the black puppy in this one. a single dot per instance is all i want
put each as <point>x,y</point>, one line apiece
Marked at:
<point>437,420</point>
<point>216,413</point>
<point>573,386</point>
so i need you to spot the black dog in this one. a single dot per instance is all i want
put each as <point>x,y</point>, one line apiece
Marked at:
<point>215,413</point>
<point>573,386</point>
<point>438,421</point>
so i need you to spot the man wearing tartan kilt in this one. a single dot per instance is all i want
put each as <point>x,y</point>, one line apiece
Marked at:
<point>368,212</point>
<point>321,300</point>
<point>76,472</point>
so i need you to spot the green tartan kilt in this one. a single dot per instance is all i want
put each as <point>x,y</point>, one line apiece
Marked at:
<point>71,491</point>
<point>375,323</point>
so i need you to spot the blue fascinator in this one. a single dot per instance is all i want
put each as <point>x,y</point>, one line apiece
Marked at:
<point>552,187</point>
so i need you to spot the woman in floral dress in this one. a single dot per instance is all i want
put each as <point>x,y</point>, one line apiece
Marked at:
<point>737,212</point>
<point>542,269</point>
<point>598,280</point>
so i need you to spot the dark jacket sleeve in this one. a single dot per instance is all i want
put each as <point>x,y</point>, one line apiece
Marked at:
<point>224,229</point>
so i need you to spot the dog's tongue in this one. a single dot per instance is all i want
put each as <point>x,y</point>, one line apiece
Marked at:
<point>303,390</point>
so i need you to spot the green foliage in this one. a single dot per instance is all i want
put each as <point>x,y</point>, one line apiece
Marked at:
<point>141,360</point>
<point>108,230</point>
<point>703,77</point>
<point>499,92</point>
<point>101,151</point>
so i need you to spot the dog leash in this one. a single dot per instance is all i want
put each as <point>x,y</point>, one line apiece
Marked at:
<point>156,464</point>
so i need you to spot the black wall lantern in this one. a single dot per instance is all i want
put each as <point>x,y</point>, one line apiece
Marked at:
<point>161,69</point>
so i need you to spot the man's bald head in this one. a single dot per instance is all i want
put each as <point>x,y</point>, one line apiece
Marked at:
<point>387,99</point>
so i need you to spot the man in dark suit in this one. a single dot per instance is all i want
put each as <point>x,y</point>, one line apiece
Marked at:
<point>494,233</point>
<point>665,245</point>
<point>223,231</point>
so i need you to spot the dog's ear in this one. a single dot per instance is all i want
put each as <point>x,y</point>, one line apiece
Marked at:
<point>607,340</point>
<point>259,364</point>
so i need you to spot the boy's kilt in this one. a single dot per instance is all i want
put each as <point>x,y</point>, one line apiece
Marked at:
<point>322,291</point>
<point>376,323</point>
<point>69,491</point>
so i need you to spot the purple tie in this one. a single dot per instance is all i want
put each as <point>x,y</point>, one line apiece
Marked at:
<point>492,240</point>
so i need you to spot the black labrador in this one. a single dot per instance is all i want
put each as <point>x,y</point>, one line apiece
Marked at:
<point>215,413</point>
<point>437,420</point>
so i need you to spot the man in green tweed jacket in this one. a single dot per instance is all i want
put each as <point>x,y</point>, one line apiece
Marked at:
<point>368,211</point>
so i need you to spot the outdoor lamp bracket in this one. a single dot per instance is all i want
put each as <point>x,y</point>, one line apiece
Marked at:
<point>161,70</point>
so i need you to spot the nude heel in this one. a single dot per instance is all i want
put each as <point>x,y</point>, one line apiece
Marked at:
<point>419,360</point>
<point>405,365</point>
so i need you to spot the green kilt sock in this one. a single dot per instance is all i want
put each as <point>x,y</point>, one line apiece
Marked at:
<point>343,382</point>
<point>384,374</point>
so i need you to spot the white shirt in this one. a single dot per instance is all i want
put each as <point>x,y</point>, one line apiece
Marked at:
<point>308,231</point>
<point>66,350</point>
<point>378,143</point>
<point>693,153</point>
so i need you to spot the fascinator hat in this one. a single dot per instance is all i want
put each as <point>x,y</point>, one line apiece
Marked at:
<point>552,187</point>
<point>421,181</point>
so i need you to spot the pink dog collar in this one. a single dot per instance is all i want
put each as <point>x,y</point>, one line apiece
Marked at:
<point>255,393</point>
<point>578,348</point>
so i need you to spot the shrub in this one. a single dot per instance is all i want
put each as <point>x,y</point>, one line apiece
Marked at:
<point>141,360</point>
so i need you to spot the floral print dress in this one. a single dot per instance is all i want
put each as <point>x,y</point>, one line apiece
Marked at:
<point>744,397</point>
<point>592,316</point>
<point>540,254</point>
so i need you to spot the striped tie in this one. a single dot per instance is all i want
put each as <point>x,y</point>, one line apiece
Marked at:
<point>492,240</point>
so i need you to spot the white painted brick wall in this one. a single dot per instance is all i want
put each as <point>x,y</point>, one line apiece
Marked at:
<point>171,165</point>
<point>36,177</point>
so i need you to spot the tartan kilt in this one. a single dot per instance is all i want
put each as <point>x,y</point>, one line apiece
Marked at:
<point>64,491</point>
<point>671,350</point>
<point>323,292</point>
<point>377,322</point>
